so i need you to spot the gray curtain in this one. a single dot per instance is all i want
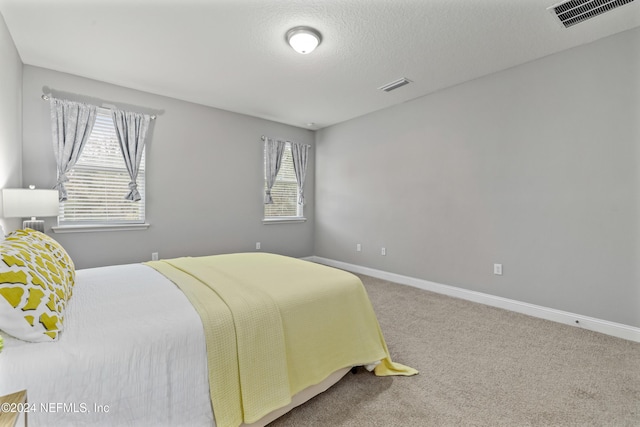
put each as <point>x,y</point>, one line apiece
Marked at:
<point>273,151</point>
<point>131,130</point>
<point>300,153</point>
<point>71,126</point>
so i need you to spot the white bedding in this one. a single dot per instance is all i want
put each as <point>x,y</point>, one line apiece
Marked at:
<point>144,361</point>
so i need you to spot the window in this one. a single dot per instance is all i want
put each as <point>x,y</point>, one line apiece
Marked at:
<point>99,182</point>
<point>285,190</point>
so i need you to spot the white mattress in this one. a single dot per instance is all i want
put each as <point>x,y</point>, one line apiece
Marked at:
<point>132,343</point>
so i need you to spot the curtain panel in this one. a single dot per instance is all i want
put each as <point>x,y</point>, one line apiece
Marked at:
<point>71,126</point>
<point>300,154</point>
<point>273,151</point>
<point>131,130</point>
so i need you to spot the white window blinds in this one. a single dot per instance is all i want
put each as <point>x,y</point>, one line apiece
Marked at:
<point>99,182</point>
<point>285,190</point>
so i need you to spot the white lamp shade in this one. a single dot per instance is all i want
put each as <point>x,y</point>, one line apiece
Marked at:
<point>23,202</point>
<point>303,39</point>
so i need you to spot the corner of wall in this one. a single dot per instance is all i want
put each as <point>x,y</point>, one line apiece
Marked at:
<point>11,68</point>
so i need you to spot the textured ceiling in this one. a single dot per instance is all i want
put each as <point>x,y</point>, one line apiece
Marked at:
<point>231,54</point>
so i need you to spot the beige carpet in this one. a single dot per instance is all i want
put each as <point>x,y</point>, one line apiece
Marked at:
<point>481,366</point>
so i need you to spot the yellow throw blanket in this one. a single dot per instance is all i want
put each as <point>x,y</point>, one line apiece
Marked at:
<point>274,326</point>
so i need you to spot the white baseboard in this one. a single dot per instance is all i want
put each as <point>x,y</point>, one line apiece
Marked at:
<point>598,325</point>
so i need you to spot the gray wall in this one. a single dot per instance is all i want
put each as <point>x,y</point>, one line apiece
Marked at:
<point>204,176</point>
<point>536,167</point>
<point>10,119</point>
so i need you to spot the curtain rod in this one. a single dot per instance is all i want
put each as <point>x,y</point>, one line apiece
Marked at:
<point>264,137</point>
<point>47,97</point>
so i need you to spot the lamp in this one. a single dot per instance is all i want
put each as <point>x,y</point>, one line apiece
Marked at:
<point>23,202</point>
<point>303,39</point>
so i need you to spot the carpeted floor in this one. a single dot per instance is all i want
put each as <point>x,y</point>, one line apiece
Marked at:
<point>481,366</point>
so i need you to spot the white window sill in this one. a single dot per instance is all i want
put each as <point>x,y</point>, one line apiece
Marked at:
<point>96,228</point>
<point>284,220</point>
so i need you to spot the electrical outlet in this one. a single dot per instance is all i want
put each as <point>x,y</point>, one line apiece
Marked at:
<point>257,245</point>
<point>358,247</point>
<point>497,269</point>
<point>154,256</point>
<point>383,251</point>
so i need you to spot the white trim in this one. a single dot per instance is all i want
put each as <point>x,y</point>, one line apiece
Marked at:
<point>96,228</point>
<point>619,330</point>
<point>284,220</point>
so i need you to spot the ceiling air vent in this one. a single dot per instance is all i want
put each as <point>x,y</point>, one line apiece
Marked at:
<point>395,84</point>
<point>572,12</point>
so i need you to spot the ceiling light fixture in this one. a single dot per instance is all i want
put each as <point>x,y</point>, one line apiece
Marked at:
<point>303,39</point>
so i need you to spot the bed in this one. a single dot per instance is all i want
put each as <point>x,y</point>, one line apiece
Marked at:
<point>141,345</point>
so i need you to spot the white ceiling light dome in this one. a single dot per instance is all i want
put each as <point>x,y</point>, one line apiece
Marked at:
<point>303,39</point>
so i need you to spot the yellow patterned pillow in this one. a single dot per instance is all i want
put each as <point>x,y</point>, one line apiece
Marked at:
<point>34,289</point>
<point>61,256</point>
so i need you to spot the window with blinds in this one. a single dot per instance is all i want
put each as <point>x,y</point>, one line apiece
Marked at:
<point>99,182</point>
<point>285,190</point>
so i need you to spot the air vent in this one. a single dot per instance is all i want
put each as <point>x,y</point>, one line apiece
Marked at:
<point>395,84</point>
<point>572,12</point>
